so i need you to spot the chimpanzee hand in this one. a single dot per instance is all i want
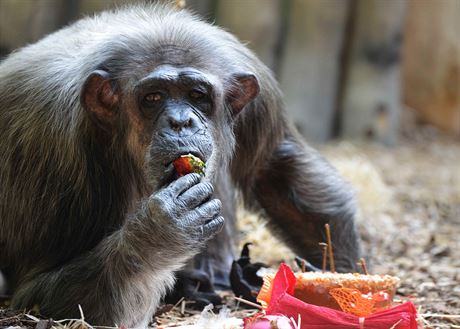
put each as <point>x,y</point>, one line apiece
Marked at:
<point>186,204</point>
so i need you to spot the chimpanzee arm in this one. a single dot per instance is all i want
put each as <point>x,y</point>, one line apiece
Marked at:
<point>298,190</point>
<point>122,280</point>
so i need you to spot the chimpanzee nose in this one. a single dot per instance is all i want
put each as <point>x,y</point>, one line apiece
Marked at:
<point>178,124</point>
<point>180,121</point>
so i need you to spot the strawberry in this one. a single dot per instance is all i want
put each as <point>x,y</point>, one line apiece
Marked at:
<point>187,164</point>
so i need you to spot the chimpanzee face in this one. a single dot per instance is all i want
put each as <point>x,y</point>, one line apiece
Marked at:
<point>170,111</point>
<point>180,111</point>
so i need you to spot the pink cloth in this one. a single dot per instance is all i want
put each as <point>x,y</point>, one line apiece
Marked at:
<point>283,302</point>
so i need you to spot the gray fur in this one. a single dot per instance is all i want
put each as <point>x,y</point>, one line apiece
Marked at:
<point>77,222</point>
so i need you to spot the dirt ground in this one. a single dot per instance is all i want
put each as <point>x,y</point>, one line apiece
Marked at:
<point>409,197</point>
<point>414,232</point>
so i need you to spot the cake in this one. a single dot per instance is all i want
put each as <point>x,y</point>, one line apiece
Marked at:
<point>355,293</point>
<point>318,288</point>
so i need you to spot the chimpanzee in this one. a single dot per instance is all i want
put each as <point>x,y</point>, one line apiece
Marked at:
<point>91,209</point>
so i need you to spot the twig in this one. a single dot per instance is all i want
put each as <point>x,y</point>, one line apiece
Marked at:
<point>82,321</point>
<point>248,302</point>
<point>10,318</point>
<point>71,322</point>
<point>237,306</point>
<point>197,286</point>
<point>362,262</point>
<point>444,316</point>
<point>178,303</point>
<point>425,321</point>
<point>297,324</point>
<point>182,308</point>
<point>30,316</point>
<point>324,246</point>
<point>329,242</point>
<point>394,326</point>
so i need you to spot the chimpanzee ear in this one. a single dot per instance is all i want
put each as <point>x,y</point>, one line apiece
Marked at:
<point>246,89</point>
<point>100,97</point>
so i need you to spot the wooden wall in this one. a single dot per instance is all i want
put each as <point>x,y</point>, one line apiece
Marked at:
<point>431,70</point>
<point>338,61</point>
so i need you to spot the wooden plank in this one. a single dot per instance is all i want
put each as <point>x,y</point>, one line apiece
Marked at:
<point>371,97</point>
<point>24,21</point>
<point>310,67</point>
<point>15,19</point>
<point>255,22</point>
<point>431,62</point>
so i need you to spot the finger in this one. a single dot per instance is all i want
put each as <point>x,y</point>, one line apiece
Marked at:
<point>203,214</point>
<point>197,194</point>
<point>213,227</point>
<point>183,183</point>
<point>207,211</point>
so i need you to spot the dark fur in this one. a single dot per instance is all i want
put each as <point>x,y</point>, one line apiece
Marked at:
<point>68,191</point>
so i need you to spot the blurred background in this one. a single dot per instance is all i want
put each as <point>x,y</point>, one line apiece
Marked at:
<point>375,85</point>
<point>348,68</point>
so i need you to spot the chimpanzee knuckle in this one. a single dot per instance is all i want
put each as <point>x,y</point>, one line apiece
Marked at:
<point>217,204</point>
<point>158,200</point>
<point>167,194</point>
<point>184,222</point>
<point>194,219</point>
<point>183,183</point>
<point>214,206</point>
<point>153,203</point>
<point>181,205</point>
<point>194,178</point>
<point>161,203</point>
<point>202,191</point>
<point>207,210</point>
<point>220,221</point>
<point>213,227</point>
<point>208,188</point>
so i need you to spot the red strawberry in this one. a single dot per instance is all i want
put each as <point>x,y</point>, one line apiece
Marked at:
<point>187,164</point>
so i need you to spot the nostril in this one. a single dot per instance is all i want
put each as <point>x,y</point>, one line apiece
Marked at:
<point>176,124</point>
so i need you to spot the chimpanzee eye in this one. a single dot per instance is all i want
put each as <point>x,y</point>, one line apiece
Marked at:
<point>153,98</point>
<point>196,94</point>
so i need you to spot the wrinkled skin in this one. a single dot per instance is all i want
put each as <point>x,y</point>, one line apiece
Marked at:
<point>184,206</point>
